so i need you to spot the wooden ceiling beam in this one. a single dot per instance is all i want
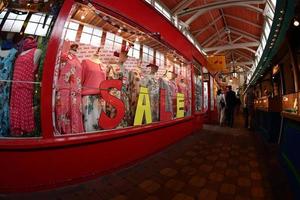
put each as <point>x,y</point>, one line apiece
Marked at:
<point>200,10</point>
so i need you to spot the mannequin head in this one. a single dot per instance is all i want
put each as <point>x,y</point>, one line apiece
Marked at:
<point>73,48</point>
<point>153,68</point>
<point>171,75</point>
<point>123,53</point>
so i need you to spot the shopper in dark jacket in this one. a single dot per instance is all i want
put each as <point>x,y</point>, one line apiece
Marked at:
<point>230,98</point>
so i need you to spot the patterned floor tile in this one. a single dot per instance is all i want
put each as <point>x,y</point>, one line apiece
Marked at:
<point>217,163</point>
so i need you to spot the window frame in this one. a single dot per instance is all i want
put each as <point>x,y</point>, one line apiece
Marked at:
<point>114,42</point>
<point>148,53</point>
<point>91,35</point>
<point>14,20</point>
<point>40,22</point>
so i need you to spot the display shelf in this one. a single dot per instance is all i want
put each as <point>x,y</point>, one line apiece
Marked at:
<point>290,104</point>
<point>268,104</point>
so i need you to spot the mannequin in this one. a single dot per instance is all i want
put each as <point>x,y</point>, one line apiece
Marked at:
<point>93,74</point>
<point>173,90</point>
<point>68,98</point>
<point>151,82</point>
<point>7,58</point>
<point>116,70</point>
<point>22,92</point>
<point>164,84</point>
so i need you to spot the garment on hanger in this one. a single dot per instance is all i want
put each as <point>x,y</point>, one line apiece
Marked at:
<point>68,98</point>
<point>22,90</point>
<point>173,95</point>
<point>6,67</point>
<point>152,83</point>
<point>93,104</point>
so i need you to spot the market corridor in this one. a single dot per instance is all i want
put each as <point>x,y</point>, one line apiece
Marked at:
<point>215,163</point>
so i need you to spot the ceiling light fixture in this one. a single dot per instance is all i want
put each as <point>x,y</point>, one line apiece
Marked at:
<point>296,22</point>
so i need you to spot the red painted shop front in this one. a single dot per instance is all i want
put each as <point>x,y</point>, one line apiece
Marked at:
<point>105,87</point>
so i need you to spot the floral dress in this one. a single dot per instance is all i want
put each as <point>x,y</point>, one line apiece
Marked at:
<point>93,104</point>
<point>173,94</point>
<point>152,84</point>
<point>114,72</point>
<point>68,105</point>
<point>6,65</point>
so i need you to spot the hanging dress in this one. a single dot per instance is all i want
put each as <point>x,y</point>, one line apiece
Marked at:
<point>93,104</point>
<point>173,94</point>
<point>6,67</point>
<point>68,106</point>
<point>152,84</point>
<point>21,103</point>
<point>115,72</point>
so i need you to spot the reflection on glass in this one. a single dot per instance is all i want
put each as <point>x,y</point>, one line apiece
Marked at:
<point>198,91</point>
<point>205,105</point>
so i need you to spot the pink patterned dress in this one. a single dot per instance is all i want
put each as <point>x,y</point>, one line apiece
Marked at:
<point>68,104</point>
<point>21,103</point>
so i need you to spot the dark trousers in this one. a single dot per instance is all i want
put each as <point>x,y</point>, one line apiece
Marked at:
<point>230,116</point>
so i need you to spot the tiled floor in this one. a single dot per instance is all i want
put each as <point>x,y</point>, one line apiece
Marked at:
<point>217,163</point>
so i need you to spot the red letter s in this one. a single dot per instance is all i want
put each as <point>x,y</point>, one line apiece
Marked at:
<point>106,122</point>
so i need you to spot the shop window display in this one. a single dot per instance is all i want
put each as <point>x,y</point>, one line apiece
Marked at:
<point>24,38</point>
<point>125,79</point>
<point>198,87</point>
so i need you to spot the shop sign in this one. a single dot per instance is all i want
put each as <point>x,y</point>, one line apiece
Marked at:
<point>143,110</point>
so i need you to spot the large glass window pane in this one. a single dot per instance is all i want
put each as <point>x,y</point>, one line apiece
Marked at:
<point>85,38</point>
<point>7,25</point>
<point>71,35</point>
<point>42,31</point>
<point>118,59</point>
<point>30,28</point>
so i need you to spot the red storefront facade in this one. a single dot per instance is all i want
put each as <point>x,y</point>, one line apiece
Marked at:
<point>52,160</point>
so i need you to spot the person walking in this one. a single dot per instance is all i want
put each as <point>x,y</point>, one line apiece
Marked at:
<point>230,99</point>
<point>221,106</point>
